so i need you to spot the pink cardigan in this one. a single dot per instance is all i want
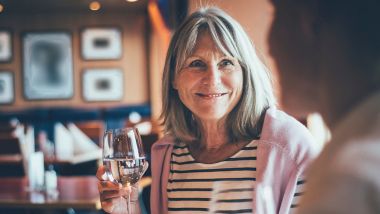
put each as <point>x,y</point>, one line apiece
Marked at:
<point>284,151</point>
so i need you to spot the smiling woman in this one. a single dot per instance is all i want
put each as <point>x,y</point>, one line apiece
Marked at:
<point>227,43</point>
<point>210,83</point>
<point>224,135</point>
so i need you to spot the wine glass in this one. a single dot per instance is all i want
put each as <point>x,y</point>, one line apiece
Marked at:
<point>124,158</point>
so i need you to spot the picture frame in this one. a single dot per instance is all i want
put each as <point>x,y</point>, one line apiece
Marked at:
<point>6,87</point>
<point>47,65</point>
<point>102,84</point>
<point>101,43</point>
<point>5,46</point>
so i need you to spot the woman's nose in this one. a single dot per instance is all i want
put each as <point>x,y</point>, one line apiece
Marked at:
<point>212,76</point>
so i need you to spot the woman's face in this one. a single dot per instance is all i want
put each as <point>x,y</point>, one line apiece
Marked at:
<point>209,83</point>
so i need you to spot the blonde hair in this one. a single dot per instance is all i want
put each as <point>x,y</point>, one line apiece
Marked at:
<point>244,122</point>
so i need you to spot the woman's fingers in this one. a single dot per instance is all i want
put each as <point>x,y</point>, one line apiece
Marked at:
<point>108,205</point>
<point>107,185</point>
<point>108,189</point>
<point>106,195</point>
<point>104,184</point>
<point>101,173</point>
<point>111,193</point>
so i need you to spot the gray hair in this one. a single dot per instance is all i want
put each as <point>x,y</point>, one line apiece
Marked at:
<point>244,122</point>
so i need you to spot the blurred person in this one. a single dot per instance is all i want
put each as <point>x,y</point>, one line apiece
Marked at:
<point>328,55</point>
<point>223,134</point>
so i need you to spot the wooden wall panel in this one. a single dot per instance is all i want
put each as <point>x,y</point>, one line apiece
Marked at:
<point>133,62</point>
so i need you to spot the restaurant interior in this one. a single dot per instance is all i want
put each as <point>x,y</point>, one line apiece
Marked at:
<point>58,98</point>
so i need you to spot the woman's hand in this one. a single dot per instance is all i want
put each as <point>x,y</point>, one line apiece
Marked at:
<point>112,194</point>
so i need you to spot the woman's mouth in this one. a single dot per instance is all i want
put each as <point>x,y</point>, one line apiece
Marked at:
<point>210,95</point>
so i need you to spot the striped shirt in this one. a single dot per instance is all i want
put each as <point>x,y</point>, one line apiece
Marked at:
<point>223,187</point>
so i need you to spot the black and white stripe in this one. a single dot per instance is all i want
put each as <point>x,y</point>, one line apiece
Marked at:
<point>223,187</point>
<point>300,188</point>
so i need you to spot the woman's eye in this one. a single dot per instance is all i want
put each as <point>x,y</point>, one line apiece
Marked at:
<point>196,63</point>
<point>226,62</point>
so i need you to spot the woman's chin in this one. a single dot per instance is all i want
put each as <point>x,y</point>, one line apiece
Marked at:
<point>211,116</point>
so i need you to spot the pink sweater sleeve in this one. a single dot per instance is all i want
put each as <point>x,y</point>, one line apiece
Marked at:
<point>160,165</point>
<point>285,150</point>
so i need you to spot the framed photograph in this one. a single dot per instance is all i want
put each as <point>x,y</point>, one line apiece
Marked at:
<point>5,46</point>
<point>6,87</point>
<point>47,66</point>
<point>102,84</point>
<point>101,43</point>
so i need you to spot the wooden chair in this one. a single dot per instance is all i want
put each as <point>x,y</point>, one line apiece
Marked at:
<point>93,129</point>
<point>11,163</point>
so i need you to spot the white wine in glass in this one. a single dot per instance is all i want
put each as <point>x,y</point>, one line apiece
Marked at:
<point>124,171</point>
<point>124,158</point>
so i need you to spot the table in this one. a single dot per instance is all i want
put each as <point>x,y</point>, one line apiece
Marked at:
<point>77,192</point>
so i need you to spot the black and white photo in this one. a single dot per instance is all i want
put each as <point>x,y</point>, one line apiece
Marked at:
<point>101,43</point>
<point>104,84</point>
<point>6,87</point>
<point>48,66</point>
<point>5,46</point>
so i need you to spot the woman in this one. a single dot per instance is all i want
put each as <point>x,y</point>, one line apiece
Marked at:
<point>224,136</point>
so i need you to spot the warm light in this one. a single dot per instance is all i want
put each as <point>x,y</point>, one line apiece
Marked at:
<point>131,0</point>
<point>158,22</point>
<point>1,8</point>
<point>94,6</point>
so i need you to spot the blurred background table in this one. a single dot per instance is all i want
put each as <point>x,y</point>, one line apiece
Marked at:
<point>76,192</point>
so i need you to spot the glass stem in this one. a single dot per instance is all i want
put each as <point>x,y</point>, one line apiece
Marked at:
<point>129,199</point>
